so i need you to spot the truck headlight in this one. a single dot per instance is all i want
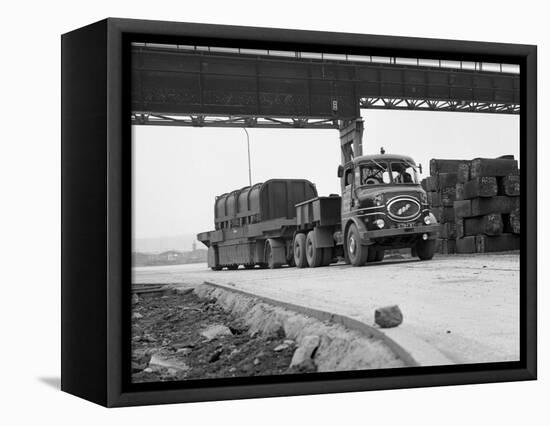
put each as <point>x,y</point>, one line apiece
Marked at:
<point>380,223</point>
<point>430,219</point>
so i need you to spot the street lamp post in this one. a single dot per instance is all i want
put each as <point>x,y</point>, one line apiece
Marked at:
<point>248,147</point>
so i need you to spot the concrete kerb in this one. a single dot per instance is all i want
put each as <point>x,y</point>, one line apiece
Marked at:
<point>407,347</point>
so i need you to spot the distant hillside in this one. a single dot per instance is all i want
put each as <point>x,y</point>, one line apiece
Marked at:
<point>162,244</point>
<point>170,257</point>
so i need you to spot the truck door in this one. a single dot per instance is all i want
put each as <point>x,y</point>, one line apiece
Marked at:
<point>347,193</point>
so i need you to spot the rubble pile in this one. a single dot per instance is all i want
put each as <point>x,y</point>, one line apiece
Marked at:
<point>179,336</point>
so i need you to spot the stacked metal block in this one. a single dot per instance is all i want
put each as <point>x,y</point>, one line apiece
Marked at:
<point>477,204</point>
<point>440,189</point>
<point>487,207</point>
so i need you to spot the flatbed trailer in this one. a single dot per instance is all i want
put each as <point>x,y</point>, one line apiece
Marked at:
<point>255,225</point>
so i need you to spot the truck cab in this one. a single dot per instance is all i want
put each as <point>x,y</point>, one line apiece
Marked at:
<point>383,206</point>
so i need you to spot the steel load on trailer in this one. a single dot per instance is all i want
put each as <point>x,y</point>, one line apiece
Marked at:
<point>255,225</point>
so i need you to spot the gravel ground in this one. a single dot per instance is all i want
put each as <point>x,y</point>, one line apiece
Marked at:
<point>467,306</point>
<point>167,343</point>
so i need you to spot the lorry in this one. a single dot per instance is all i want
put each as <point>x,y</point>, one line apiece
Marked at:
<point>285,222</point>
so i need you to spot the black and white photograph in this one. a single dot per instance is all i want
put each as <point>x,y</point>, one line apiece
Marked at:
<point>306,212</point>
<point>244,213</point>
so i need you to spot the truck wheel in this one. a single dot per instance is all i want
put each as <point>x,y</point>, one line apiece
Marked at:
<point>299,248</point>
<point>269,258</point>
<point>357,253</point>
<point>314,254</point>
<point>232,267</point>
<point>425,249</point>
<point>346,256</point>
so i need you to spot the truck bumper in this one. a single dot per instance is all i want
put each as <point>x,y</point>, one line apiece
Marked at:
<point>432,231</point>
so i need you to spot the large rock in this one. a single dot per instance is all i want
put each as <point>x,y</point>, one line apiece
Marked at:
<point>216,331</point>
<point>166,361</point>
<point>141,359</point>
<point>388,316</point>
<point>281,347</point>
<point>304,353</point>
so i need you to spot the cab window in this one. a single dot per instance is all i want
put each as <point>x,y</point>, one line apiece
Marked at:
<point>403,172</point>
<point>375,173</point>
<point>348,177</point>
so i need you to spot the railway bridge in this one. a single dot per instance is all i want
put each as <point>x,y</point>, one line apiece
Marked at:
<point>188,85</point>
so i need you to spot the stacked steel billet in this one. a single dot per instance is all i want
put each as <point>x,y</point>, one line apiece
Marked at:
<point>440,189</point>
<point>487,205</point>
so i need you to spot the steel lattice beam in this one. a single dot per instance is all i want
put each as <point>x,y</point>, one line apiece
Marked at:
<point>438,105</point>
<point>220,121</point>
<point>172,87</point>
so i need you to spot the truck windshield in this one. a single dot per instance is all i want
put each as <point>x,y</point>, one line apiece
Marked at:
<point>403,172</point>
<point>375,173</point>
<point>381,172</point>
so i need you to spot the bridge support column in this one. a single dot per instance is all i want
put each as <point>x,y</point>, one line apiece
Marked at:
<point>351,138</point>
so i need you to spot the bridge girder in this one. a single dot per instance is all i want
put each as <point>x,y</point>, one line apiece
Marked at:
<point>172,83</point>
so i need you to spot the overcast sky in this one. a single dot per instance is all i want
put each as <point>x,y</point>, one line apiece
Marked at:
<point>179,170</point>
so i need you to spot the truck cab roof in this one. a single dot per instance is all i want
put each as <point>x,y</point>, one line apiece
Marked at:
<point>381,157</point>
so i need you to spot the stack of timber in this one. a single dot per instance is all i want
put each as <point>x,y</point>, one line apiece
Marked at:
<point>487,205</point>
<point>440,189</point>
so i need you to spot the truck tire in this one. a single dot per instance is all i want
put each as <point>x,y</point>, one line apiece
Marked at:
<point>269,258</point>
<point>425,249</point>
<point>314,254</point>
<point>299,248</point>
<point>357,253</point>
<point>232,267</point>
<point>346,257</point>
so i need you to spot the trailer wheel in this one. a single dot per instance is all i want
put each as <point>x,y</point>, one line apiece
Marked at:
<point>249,266</point>
<point>425,249</point>
<point>269,257</point>
<point>299,248</point>
<point>314,254</point>
<point>357,253</point>
<point>232,267</point>
<point>216,268</point>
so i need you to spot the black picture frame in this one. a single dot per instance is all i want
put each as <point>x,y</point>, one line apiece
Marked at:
<point>96,209</point>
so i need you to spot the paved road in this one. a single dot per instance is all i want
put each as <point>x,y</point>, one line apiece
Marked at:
<point>467,306</point>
